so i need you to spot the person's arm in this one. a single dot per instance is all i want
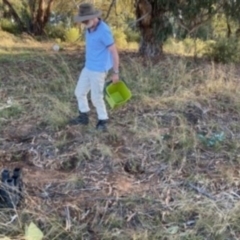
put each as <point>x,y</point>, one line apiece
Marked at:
<point>108,41</point>
<point>115,56</point>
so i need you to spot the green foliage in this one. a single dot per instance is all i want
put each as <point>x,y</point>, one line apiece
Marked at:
<point>202,19</point>
<point>55,31</point>
<point>132,36</point>
<point>225,50</point>
<point>188,46</point>
<point>120,12</point>
<point>72,34</point>
<point>232,9</point>
<point>9,26</point>
<point>219,26</point>
<point>162,29</point>
<point>120,37</point>
<point>11,112</point>
<point>194,46</point>
<point>62,33</point>
<point>204,32</point>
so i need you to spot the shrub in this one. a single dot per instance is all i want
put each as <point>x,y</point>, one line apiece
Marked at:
<point>188,46</point>
<point>194,46</point>
<point>72,34</point>
<point>204,32</point>
<point>9,26</point>
<point>120,37</point>
<point>225,50</point>
<point>56,31</point>
<point>132,36</point>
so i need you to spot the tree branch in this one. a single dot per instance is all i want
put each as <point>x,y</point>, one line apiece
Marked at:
<point>14,14</point>
<point>199,23</point>
<point>110,8</point>
<point>194,27</point>
<point>229,30</point>
<point>139,19</point>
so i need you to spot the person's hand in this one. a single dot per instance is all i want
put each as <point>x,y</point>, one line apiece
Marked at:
<point>115,78</point>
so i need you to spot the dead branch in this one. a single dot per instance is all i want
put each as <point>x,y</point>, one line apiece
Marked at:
<point>68,219</point>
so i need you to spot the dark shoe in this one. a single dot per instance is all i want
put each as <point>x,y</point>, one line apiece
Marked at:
<point>81,119</point>
<point>102,125</point>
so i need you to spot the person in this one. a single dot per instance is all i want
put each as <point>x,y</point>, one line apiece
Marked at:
<point>101,56</point>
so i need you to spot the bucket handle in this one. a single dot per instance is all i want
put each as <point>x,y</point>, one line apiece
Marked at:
<point>109,82</point>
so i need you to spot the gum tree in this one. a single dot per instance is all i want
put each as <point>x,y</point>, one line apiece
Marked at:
<point>153,18</point>
<point>35,15</point>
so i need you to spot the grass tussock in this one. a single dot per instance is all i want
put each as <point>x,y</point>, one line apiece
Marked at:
<point>167,168</point>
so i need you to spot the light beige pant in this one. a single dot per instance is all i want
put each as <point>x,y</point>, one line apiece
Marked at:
<point>94,81</point>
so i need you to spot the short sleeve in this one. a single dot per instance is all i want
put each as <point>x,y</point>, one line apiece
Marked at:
<point>107,37</point>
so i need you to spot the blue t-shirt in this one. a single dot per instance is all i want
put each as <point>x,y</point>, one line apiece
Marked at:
<point>98,57</point>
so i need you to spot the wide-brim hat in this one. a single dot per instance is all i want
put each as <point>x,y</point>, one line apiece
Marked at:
<point>86,12</point>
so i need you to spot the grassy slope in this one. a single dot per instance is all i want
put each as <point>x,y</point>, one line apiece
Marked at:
<point>150,177</point>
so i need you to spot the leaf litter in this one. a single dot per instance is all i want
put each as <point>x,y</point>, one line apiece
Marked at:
<point>131,181</point>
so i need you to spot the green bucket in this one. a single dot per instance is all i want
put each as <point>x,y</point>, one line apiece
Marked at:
<point>117,94</point>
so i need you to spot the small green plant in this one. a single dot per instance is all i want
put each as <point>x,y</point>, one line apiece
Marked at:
<point>12,111</point>
<point>9,26</point>
<point>72,34</point>
<point>120,37</point>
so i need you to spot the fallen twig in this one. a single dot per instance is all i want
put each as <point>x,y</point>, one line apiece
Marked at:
<point>68,219</point>
<point>199,190</point>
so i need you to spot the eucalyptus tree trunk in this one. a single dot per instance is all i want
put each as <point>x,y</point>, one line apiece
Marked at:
<point>40,12</point>
<point>149,18</point>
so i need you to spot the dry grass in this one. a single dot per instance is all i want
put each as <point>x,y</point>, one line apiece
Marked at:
<point>150,177</point>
